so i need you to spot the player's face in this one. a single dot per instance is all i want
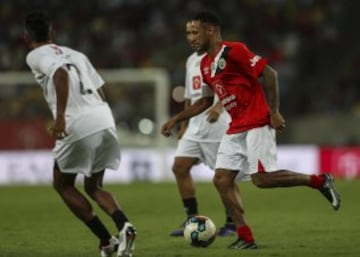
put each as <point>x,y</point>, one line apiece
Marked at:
<point>190,35</point>
<point>197,36</point>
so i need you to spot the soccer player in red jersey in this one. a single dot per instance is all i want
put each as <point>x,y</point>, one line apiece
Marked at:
<point>248,149</point>
<point>199,140</point>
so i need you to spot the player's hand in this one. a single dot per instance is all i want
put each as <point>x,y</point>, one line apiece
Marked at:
<point>166,129</point>
<point>277,121</point>
<point>58,131</point>
<point>212,115</point>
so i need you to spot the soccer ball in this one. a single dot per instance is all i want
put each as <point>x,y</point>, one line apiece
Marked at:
<point>200,231</point>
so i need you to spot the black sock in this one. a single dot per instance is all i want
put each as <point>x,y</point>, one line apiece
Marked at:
<point>191,207</point>
<point>228,218</point>
<point>119,219</point>
<point>98,228</point>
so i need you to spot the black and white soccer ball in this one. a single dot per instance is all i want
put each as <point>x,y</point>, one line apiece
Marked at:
<point>200,231</point>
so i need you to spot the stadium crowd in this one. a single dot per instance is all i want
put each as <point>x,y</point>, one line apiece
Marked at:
<point>293,35</point>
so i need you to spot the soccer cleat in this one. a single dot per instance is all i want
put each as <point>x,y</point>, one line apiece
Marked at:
<point>242,244</point>
<point>126,241</point>
<point>179,231</point>
<point>328,190</point>
<point>229,229</point>
<point>108,250</point>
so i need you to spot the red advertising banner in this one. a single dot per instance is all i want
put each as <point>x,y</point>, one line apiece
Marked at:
<point>343,162</point>
<point>24,134</point>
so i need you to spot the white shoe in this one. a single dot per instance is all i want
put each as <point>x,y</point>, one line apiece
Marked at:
<point>108,250</point>
<point>126,241</point>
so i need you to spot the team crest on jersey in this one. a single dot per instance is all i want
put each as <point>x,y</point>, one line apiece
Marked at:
<point>221,63</point>
<point>196,82</point>
<point>219,89</point>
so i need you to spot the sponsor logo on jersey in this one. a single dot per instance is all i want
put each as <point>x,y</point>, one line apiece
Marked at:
<point>254,60</point>
<point>229,102</point>
<point>196,82</point>
<point>219,89</point>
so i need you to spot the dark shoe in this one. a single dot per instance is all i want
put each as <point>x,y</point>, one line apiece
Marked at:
<point>180,231</point>
<point>241,244</point>
<point>229,229</point>
<point>328,190</point>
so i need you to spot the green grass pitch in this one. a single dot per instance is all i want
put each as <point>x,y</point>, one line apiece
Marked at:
<point>286,222</point>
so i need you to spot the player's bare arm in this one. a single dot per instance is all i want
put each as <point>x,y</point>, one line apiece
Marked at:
<point>184,123</point>
<point>61,83</point>
<point>271,85</point>
<point>214,112</point>
<point>198,107</point>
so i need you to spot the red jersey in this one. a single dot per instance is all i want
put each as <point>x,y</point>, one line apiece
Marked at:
<point>233,75</point>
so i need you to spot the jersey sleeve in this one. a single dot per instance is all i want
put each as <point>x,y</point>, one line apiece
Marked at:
<point>44,63</point>
<point>187,81</point>
<point>251,63</point>
<point>93,74</point>
<point>48,64</point>
<point>206,89</point>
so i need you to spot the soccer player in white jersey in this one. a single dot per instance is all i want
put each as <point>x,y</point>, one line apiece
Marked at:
<point>84,130</point>
<point>199,139</point>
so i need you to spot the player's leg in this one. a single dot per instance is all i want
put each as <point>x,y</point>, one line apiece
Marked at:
<point>64,184</point>
<point>185,184</point>
<point>107,202</point>
<point>209,152</point>
<point>107,156</point>
<point>229,227</point>
<point>230,196</point>
<point>262,157</point>
<point>286,178</point>
<point>230,159</point>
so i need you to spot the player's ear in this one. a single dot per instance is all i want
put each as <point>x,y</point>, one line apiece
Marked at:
<point>211,30</point>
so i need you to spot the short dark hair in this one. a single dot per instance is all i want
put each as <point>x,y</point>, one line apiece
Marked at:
<point>38,25</point>
<point>207,16</point>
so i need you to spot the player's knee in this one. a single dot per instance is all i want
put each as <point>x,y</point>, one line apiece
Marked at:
<point>220,181</point>
<point>181,169</point>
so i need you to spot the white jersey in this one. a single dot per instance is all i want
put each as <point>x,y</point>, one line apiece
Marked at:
<point>199,129</point>
<point>86,113</point>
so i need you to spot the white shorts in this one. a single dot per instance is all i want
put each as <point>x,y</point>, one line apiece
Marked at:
<point>90,154</point>
<point>205,151</point>
<point>248,152</point>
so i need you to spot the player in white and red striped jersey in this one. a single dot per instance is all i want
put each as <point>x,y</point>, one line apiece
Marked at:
<point>199,140</point>
<point>84,130</point>
<point>248,150</point>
